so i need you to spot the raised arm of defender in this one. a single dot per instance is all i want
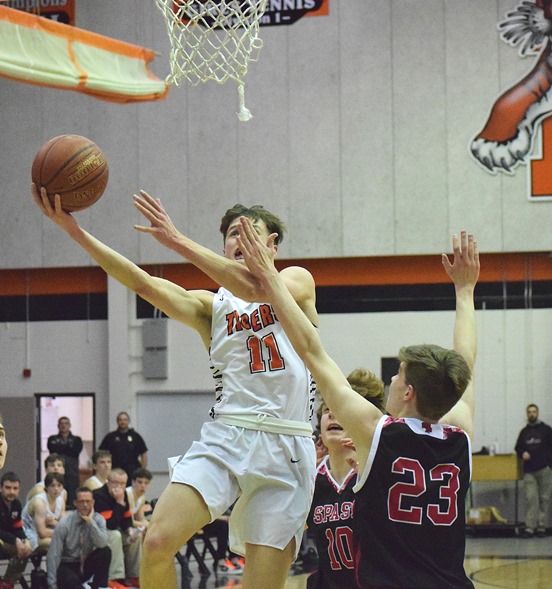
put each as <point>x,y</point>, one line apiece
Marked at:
<point>464,272</point>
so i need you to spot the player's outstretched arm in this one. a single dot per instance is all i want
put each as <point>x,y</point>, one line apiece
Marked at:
<point>464,272</point>
<point>193,308</point>
<point>356,414</point>
<point>228,273</point>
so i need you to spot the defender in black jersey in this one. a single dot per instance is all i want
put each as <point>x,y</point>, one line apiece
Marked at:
<point>331,513</point>
<point>331,520</point>
<point>414,472</point>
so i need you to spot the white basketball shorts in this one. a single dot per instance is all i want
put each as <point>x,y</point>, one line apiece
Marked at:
<point>270,475</point>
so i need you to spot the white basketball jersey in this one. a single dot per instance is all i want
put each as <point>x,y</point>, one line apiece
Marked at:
<point>255,367</point>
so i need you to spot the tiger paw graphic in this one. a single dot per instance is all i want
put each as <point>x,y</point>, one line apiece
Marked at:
<point>507,137</point>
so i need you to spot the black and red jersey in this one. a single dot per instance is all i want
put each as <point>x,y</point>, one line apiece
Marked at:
<point>330,522</point>
<point>11,526</point>
<point>409,516</point>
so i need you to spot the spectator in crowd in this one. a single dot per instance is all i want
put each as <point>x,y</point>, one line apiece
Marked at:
<point>534,447</point>
<point>101,460</point>
<point>52,463</point>
<point>69,446</point>
<point>14,545</point>
<point>43,512</point>
<point>228,562</point>
<point>136,495</point>
<point>127,447</point>
<point>122,538</point>
<point>78,552</point>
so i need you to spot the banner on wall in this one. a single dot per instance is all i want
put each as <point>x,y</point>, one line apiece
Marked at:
<point>282,12</point>
<point>287,12</point>
<point>59,10</point>
<point>519,128</point>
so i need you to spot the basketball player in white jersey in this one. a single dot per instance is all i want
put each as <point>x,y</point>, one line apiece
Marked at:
<point>101,459</point>
<point>258,450</point>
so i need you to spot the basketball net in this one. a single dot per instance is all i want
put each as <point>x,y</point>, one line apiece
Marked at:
<point>213,40</point>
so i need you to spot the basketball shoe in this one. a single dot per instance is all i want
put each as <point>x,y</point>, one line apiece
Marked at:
<point>228,567</point>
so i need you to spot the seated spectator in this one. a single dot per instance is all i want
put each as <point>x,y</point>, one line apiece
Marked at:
<point>101,459</point>
<point>228,563</point>
<point>136,495</point>
<point>13,542</point>
<point>122,538</point>
<point>52,463</point>
<point>43,512</point>
<point>79,552</point>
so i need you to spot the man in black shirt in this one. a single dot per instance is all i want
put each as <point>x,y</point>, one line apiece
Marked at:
<point>534,447</point>
<point>14,544</point>
<point>69,446</point>
<point>127,447</point>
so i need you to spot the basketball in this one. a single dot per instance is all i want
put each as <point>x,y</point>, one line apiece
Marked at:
<point>73,167</point>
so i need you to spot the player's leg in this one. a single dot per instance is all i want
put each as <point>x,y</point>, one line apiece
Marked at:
<point>266,566</point>
<point>531,502</point>
<point>545,493</point>
<point>178,515</point>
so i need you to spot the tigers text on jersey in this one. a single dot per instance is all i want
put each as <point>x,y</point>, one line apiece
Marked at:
<point>409,517</point>
<point>255,367</point>
<point>330,520</point>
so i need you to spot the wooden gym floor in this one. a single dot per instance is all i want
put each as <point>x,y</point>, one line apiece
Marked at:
<point>497,563</point>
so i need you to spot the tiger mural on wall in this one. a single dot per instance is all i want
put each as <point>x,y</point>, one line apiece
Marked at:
<point>506,139</point>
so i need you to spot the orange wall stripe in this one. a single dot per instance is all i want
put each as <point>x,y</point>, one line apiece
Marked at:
<point>53,281</point>
<point>421,269</point>
<point>326,271</point>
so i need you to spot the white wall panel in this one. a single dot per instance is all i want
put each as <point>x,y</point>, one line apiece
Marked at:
<point>474,196</point>
<point>314,137</point>
<point>419,122</point>
<point>20,230</point>
<point>366,146</point>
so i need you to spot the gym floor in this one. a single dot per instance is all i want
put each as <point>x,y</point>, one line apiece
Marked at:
<point>497,563</point>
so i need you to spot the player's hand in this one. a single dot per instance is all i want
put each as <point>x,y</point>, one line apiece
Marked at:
<point>87,518</point>
<point>54,212</point>
<point>464,269</point>
<point>23,548</point>
<point>352,462</point>
<point>348,443</point>
<point>258,255</point>
<point>161,227</point>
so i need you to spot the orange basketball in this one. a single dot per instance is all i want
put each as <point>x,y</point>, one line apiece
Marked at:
<point>73,167</point>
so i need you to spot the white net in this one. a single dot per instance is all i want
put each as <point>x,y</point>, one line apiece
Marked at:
<point>213,40</point>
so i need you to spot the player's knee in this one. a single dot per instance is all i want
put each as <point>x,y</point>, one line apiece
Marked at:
<point>158,542</point>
